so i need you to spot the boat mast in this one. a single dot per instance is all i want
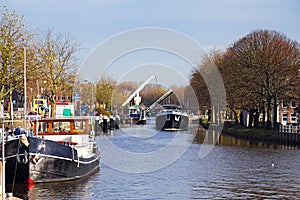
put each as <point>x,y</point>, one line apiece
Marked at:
<point>25,90</point>
<point>3,158</point>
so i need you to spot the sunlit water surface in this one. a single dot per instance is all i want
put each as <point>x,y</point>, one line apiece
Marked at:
<point>237,170</point>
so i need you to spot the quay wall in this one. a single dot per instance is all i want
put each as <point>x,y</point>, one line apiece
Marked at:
<point>289,134</point>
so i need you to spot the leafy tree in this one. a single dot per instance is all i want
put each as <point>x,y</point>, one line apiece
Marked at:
<point>264,67</point>
<point>151,94</point>
<point>121,93</point>
<point>13,39</point>
<point>259,70</point>
<point>199,86</point>
<point>104,91</point>
<point>238,95</point>
<point>190,99</point>
<point>178,96</point>
<point>50,59</point>
<point>208,86</point>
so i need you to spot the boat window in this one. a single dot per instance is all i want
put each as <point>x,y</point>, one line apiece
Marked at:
<point>79,125</point>
<point>168,117</point>
<point>61,126</point>
<point>133,111</point>
<point>43,127</point>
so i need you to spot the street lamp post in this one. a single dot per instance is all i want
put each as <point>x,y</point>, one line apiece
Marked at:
<point>93,101</point>
<point>31,99</point>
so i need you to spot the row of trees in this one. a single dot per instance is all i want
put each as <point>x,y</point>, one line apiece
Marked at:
<point>50,58</point>
<point>259,71</point>
<point>112,95</point>
<point>51,68</point>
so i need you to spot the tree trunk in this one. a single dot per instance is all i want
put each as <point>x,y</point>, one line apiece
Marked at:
<point>251,114</point>
<point>264,115</point>
<point>52,103</point>
<point>53,109</point>
<point>269,122</point>
<point>256,118</point>
<point>241,118</point>
<point>275,113</point>
<point>236,116</point>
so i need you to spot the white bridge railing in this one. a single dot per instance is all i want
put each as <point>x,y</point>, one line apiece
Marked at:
<point>289,129</point>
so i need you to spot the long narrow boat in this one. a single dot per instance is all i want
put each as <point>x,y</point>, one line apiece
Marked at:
<point>171,118</point>
<point>58,150</point>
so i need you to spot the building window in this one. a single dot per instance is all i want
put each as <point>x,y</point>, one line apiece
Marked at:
<point>284,104</point>
<point>284,118</point>
<point>293,104</point>
<point>293,118</point>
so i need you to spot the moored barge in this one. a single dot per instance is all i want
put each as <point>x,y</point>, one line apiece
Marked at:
<point>58,150</point>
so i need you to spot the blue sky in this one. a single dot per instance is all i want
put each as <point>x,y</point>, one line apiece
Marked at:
<point>211,23</point>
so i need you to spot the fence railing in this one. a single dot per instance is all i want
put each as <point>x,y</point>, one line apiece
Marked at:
<point>289,129</point>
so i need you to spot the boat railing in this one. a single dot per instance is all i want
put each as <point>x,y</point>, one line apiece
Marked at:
<point>170,110</point>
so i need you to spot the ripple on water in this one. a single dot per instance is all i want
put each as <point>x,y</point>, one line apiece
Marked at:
<point>227,172</point>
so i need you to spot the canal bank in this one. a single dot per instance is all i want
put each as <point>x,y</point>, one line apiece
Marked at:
<point>240,131</point>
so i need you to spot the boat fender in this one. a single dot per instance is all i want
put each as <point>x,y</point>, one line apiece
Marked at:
<point>92,134</point>
<point>42,147</point>
<point>35,158</point>
<point>25,159</point>
<point>18,157</point>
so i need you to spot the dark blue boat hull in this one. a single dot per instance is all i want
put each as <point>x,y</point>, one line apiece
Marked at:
<point>46,161</point>
<point>169,121</point>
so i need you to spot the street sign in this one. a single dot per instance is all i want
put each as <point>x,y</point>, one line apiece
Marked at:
<point>77,96</point>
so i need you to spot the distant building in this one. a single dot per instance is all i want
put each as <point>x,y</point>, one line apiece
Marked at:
<point>288,112</point>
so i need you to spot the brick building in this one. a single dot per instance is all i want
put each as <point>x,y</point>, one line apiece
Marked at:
<point>288,112</point>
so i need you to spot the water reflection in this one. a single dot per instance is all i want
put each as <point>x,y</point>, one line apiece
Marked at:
<point>78,189</point>
<point>213,137</point>
<point>234,169</point>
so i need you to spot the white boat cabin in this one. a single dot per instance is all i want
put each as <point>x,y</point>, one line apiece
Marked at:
<point>71,131</point>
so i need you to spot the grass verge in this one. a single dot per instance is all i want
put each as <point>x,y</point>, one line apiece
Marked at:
<point>248,133</point>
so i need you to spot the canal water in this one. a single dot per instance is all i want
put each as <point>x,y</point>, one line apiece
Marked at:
<point>142,163</point>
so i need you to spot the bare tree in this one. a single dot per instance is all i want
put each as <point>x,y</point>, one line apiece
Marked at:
<point>56,51</point>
